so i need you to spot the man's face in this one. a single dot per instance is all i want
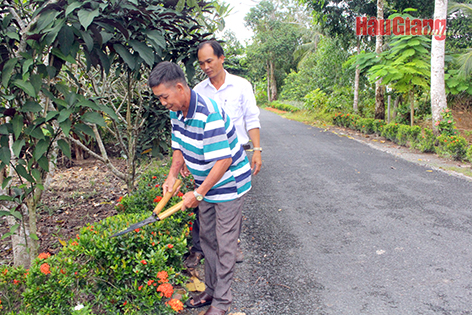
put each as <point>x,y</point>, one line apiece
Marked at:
<point>170,95</point>
<point>209,62</point>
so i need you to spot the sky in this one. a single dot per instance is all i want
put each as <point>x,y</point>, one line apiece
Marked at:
<point>235,20</point>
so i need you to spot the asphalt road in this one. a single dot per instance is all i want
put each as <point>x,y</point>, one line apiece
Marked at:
<point>333,226</point>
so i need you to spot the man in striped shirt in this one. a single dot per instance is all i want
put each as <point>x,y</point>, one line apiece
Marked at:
<point>205,140</point>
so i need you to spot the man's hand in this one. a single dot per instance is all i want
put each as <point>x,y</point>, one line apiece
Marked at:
<point>184,171</point>
<point>189,201</point>
<point>256,162</point>
<point>168,185</point>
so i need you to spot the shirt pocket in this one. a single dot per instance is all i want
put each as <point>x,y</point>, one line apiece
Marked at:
<point>233,107</point>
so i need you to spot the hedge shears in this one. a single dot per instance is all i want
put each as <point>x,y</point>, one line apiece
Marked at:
<point>156,215</point>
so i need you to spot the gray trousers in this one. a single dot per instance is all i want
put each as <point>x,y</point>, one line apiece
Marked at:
<point>220,225</point>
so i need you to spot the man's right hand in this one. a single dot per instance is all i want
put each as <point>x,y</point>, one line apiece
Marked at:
<point>184,171</point>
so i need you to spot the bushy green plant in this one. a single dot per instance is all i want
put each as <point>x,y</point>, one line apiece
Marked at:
<point>452,146</point>
<point>121,273</point>
<point>389,131</point>
<point>426,141</point>
<point>367,125</point>
<point>469,154</point>
<point>12,285</point>
<point>340,99</point>
<point>283,106</point>
<point>377,126</point>
<point>447,126</point>
<point>342,120</point>
<point>315,100</point>
<point>401,137</point>
<point>412,135</point>
<point>355,122</point>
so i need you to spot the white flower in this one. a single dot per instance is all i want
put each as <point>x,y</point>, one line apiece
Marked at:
<point>78,307</point>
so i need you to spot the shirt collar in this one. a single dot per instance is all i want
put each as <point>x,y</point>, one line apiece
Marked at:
<point>228,81</point>
<point>192,107</point>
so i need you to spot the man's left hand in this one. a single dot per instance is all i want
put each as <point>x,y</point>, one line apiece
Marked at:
<point>256,162</point>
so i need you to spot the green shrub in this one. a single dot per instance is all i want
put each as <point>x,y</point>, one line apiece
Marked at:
<point>377,126</point>
<point>469,154</point>
<point>389,131</point>
<point>367,125</point>
<point>342,120</point>
<point>316,100</point>
<point>12,285</point>
<point>355,122</point>
<point>120,273</point>
<point>412,135</point>
<point>447,126</point>
<point>282,106</point>
<point>452,146</point>
<point>339,100</point>
<point>403,134</point>
<point>426,141</point>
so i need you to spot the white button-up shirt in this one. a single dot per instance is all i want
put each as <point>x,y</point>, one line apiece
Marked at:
<point>238,101</point>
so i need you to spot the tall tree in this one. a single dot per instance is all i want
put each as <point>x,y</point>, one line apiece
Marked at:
<point>438,92</point>
<point>379,88</point>
<point>277,35</point>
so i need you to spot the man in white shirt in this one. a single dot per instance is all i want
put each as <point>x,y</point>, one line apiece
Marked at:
<point>236,97</point>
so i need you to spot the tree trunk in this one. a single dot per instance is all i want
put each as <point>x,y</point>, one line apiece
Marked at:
<point>379,89</point>
<point>412,107</point>
<point>355,105</point>
<point>268,83</point>
<point>438,92</point>
<point>273,83</point>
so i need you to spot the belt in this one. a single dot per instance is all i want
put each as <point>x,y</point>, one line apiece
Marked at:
<point>246,146</point>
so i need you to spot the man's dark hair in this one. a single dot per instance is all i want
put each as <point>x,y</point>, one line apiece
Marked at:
<point>166,73</point>
<point>217,49</point>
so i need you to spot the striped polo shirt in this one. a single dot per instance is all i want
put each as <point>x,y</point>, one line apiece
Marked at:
<point>205,136</point>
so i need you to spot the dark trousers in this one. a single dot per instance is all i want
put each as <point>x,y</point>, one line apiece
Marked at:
<point>196,247</point>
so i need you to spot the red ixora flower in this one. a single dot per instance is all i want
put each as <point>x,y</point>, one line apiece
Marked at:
<point>44,255</point>
<point>154,177</point>
<point>157,185</point>
<point>144,262</point>
<point>150,282</point>
<point>16,281</point>
<point>45,269</point>
<point>176,305</point>
<point>157,199</point>
<point>180,194</point>
<point>166,289</point>
<point>170,246</point>
<point>137,230</point>
<point>126,302</point>
<point>140,287</point>
<point>119,199</point>
<point>162,275</point>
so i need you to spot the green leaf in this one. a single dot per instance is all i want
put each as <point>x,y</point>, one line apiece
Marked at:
<point>66,39</point>
<point>72,7</point>
<point>46,19</point>
<point>94,118</point>
<point>125,55</point>
<point>44,163</point>
<point>31,106</point>
<point>6,181</point>
<point>22,171</point>
<point>25,86</point>
<point>17,146</point>
<point>6,198</point>
<point>36,81</point>
<point>40,148</point>
<point>58,53</point>
<point>4,129</point>
<point>89,104</point>
<point>86,17</point>
<point>66,126</point>
<point>52,114</point>
<point>64,114</point>
<point>8,70</point>
<point>144,51</point>
<point>5,155</point>
<point>16,214</point>
<point>85,129</point>
<point>34,237</point>
<point>35,132</point>
<point>88,40</point>
<point>65,148</point>
<point>156,37</point>
<point>17,123</point>
<point>36,174</point>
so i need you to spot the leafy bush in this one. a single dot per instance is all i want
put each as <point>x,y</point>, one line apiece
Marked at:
<point>377,126</point>
<point>367,125</point>
<point>12,285</point>
<point>452,146</point>
<point>316,100</point>
<point>340,100</point>
<point>122,274</point>
<point>405,133</point>
<point>412,135</point>
<point>389,131</point>
<point>426,141</point>
<point>447,126</point>
<point>342,120</point>
<point>469,154</point>
<point>282,106</point>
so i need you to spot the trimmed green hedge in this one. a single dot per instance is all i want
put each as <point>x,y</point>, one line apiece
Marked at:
<point>451,146</point>
<point>136,273</point>
<point>282,106</point>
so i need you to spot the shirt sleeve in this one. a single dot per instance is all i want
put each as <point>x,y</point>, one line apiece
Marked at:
<point>251,111</point>
<point>215,140</point>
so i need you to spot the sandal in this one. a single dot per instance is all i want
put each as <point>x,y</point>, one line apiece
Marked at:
<point>200,300</point>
